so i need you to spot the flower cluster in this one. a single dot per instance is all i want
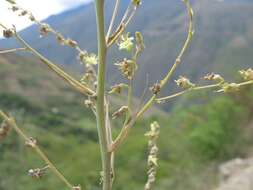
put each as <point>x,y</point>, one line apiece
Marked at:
<point>126,42</point>
<point>152,135</point>
<point>247,74</point>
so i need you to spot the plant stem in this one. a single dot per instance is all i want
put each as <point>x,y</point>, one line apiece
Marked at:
<point>100,104</point>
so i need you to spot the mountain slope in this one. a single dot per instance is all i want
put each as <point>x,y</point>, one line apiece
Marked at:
<point>223,39</point>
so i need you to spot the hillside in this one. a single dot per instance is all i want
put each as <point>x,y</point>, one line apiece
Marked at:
<point>223,39</point>
<point>193,142</point>
<point>194,139</point>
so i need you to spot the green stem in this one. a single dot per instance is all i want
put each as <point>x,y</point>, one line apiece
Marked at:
<point>100,104</point>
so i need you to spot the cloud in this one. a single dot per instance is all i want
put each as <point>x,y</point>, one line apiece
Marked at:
<point>41,10</point>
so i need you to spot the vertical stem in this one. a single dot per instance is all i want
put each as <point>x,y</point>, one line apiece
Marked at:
<point>100,105</point>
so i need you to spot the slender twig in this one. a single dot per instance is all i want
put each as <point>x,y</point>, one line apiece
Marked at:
<point>12,50</point>
<point>11,121</point>
<point>122,26</point>
<point>161,100</point>
<point>100,103</point>
<point>115,11</point>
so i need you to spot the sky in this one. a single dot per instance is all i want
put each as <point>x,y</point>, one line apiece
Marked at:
<point>41,9</point>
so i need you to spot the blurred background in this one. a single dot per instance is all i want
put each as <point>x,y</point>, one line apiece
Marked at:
<point>199,131</point>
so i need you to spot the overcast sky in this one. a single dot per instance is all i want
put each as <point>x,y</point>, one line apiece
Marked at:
<point>41,9</point>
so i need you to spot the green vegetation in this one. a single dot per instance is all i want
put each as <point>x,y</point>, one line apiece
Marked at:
<point>193,141</point>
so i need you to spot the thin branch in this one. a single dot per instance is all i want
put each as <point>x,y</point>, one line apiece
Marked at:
<point>161,100</point>
<point>123,24</point>
<point>115,11</point>
<point>11,121</point>
<point>12,50</point>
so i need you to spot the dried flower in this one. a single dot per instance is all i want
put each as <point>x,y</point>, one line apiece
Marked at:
<point>8,33</point>
<point>71,43</point>
<point>214,77</point>
<point>88,103</point>
<point>4,129</point>
<point>247,74</point>
<point>126,42</point>
<point>184,82</point>
<point>60,39</point>
<point>127,68</point>
<point>23,13</point>
<point>37,173</point>
<point>229,87</point>
<point>44,29</point>
<point>31,142</point>
<point>14,8</point>
<point>117,88</point>
<point>90,59</point>
<point>156,88</point>
<point>31,17</point>
<point>76,187</point>
<point>120,112</point>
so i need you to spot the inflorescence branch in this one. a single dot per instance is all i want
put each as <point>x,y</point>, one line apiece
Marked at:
<point>32,143</point>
